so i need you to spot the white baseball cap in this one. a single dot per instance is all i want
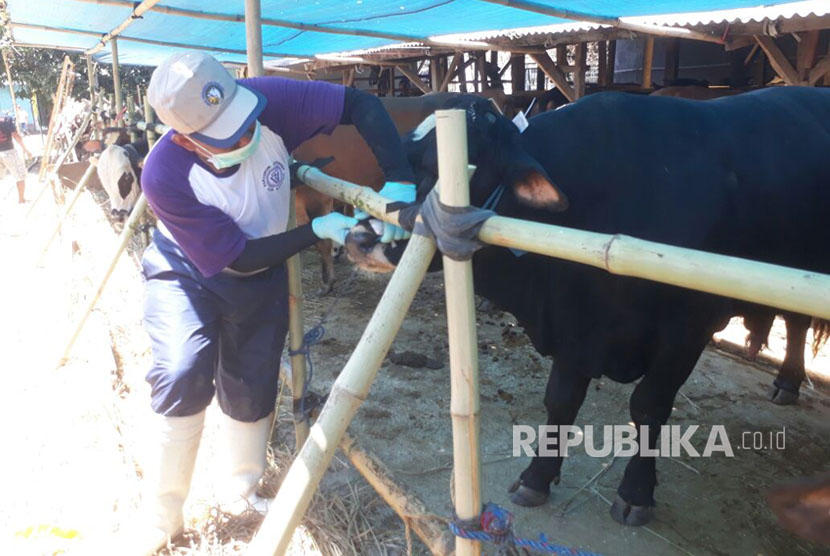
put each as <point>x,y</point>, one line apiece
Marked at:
<point>195,95</point>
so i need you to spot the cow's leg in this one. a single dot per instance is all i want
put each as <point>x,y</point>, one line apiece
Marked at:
<point>327,266</point>
<point>564,395</point>
<point>791,374</point>
<point>651,405</point>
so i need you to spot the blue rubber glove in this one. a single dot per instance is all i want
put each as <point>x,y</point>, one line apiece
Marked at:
<point>396,192</point>
<point>333,226</point>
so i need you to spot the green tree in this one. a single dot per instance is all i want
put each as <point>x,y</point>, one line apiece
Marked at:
<point>36,72</point>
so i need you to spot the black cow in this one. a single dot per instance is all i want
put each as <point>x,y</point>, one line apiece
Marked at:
<point>746,176</point>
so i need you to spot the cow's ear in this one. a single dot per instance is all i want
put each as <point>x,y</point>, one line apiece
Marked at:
<point>535,189</point>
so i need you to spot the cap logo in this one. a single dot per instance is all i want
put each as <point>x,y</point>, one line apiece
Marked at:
<point>212,94</point>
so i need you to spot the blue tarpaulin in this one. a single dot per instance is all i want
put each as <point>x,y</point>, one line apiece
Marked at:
<point>61,22</point>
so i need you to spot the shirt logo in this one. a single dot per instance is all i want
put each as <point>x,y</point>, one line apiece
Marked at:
<point>273,177</point>
<point>213,94</point>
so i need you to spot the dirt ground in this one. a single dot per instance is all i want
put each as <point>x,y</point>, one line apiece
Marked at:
<point>72,434</point>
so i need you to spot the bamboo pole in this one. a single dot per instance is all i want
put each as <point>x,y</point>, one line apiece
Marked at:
<point>347,393</point>
<point>135,15</point>
<point>93,162</point>
<point>434,534</point>
<point>776,286</point>
<point>150,129</point>
<point>53,173</point>
<point>116,77</point>
<point>53,119</point>
<point>296,328</point>
<point>451,129</point>
<point>189,46</point>
<point>93,100</point>
<point>126,234</point>
<point>253,37</point>
<point>131,118</point>
<point>11,89</point>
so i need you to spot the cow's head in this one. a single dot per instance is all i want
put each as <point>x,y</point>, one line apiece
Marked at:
<point>495,147</point>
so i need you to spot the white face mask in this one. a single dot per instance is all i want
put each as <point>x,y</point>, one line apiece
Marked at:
<point>221,161</point>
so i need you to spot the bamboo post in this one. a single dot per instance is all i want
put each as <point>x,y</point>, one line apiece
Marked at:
<point>126,234</point>
<point>579,75</point>
<point>116,77</point>
<point>59,163</point>
<point>93,101</point>
<point>296,328</point>
<point>93,162</point>
<point>451,129</point>
<point>53,119</point>
<point>253,34</point>
<point>149,116</point>
<point>11,90</point>
<point>253,37</point>
<point>347,393</point>
<point>131,118</point>
<point>648,62</point>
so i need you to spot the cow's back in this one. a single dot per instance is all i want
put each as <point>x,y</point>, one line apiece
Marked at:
<point>744,175</point>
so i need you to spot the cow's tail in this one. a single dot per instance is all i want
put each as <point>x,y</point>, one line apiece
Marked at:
<point>821,333</point>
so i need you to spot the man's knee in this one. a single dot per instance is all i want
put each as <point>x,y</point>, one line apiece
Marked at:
<point>180,389</point>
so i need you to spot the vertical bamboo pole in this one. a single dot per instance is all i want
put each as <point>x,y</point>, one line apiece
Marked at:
<point>347,393</point>
<point>126,234</point>
<point>93,101</point>
<point>648,62</point>
<point>451,129</point>
<point>296,326</point>
<point>116,77</point>
<point>11,90</point>
<point>149,118</point>
<point>253,37</point>
<point>130,119</point>
<point>579,74</point>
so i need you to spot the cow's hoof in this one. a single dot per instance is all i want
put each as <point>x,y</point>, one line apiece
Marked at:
<point>324,290</point>
<point>779,396</point>
<point>633,516</point>
<point>526,496</point>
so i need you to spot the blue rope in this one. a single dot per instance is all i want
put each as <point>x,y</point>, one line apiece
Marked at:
<point>313,336</point>
<point>497,527</point>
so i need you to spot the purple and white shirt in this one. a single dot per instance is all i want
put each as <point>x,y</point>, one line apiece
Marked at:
<point>210,216</point>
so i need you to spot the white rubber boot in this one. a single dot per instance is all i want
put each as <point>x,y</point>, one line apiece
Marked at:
<point>244,446</point>
<point>168,481</point>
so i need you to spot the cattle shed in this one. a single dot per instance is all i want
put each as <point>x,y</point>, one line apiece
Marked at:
<point>526,56</point>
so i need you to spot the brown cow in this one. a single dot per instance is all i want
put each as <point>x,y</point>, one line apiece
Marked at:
<point>354,162</point>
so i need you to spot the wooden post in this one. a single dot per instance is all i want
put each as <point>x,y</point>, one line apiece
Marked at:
<point>436,75</point>
<point>562,57</point>
<point>517,72</point>
<point>579,74</point>
<point>253,37</point>
<point>612,61</point>
<point>778,60</point>
<point>451,129</point>
<point>806,55</point>
<point>648,62</point>
<point>481,70</point>
<point>456,60</point>
<point>116,77</point>
<point>462,75</point>
<point>347,394</point>
<point>671,68</point>
<point>11,90</point>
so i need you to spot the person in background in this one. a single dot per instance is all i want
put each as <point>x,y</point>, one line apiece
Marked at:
<point>9,158</point>
<point>216,298</point>
<point>23,119</point>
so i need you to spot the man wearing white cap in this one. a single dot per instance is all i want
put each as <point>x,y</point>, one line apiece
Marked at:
<point>216,302</point>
